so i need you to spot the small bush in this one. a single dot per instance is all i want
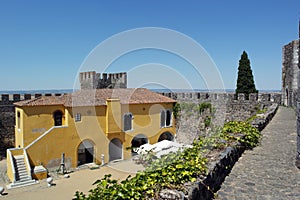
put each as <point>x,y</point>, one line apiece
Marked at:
<point>251,134</point>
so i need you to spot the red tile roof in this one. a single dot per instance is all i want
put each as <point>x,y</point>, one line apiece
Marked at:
<point>43,101</point>
<point>98,97</point>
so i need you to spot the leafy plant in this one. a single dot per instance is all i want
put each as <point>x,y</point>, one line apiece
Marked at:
<point>253,117</point>
<point>174,169</point>
<point>204,106</point>
<point>250,135</point>
<point>207,121</point>
<point>169,171</point>
<point>176,110</point>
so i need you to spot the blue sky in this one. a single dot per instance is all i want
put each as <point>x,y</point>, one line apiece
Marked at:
<point>44,43</point>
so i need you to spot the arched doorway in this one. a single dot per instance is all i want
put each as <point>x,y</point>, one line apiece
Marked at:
<point>85,152</point>
<point>115,149</point>
<point>166,136</point>
<point>57,117</point>
<point>137,141</point>
<point>286,99</point>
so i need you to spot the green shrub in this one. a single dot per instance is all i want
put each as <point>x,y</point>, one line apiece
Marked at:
<point>169,171</point>
<point>251,134</point>
<point>176,110</point>
<point>173,169</point>
<point>204,106</point>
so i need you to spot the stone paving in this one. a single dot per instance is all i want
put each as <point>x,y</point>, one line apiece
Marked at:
<point>268,171</point>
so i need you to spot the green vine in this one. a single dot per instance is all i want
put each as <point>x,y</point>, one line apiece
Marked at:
<point>242,132</point>
<point>174,169</point>
<point>253,117</point>
<point>169,171</point>
<point>207,121</point>
<point>176,110</point>
<point>204,106</point>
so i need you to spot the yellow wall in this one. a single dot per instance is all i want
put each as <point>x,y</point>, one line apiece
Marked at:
<point>98,124</point>
<point>146,121</point>
<point>47,151</point>
<point>35,121</point>
<point>113,116</point>
<point>92,127</point>
<point>9,163</point>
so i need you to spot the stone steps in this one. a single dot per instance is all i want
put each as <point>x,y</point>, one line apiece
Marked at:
<point>23,178</point>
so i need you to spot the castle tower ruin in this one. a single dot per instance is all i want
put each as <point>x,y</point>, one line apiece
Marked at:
<point>290,60</point>
<point>93,80</point>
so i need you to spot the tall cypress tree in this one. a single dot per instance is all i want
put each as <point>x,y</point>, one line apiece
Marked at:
<point>245,82</point>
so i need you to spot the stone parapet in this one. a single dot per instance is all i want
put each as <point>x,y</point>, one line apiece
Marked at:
<point>231,97</point>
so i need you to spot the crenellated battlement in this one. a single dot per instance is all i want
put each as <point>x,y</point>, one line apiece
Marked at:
<point>226,106</point>
<point>93,80</point>
<point>12,98</point>
<point>210,96</point>
<point>186,96</point>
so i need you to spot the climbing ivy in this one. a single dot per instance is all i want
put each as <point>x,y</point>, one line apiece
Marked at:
<point>204,106</point>
<point>176,110</point>
<point>207,121</point>
<point>242,132</point>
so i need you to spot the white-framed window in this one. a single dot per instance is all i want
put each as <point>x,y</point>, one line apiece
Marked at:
<point>77,117</point>
<point>165,118</point>
<point>127,122</point>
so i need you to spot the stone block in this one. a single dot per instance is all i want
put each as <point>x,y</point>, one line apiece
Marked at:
<point>5,97</point>
<point>16,97</point>
<point>27,96</point>
<point>39,173</point>
<point>241,97</point>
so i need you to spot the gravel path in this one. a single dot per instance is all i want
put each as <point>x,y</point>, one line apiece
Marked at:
<point>268,171</point>
<point>3,176</point>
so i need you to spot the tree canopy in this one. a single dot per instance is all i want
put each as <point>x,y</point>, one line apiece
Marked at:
<point>245,81</point>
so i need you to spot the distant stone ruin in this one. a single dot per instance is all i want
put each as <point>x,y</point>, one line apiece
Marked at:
<point>93,80</point>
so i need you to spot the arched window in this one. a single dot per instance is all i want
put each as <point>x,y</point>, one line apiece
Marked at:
<point>18,120</point>
<point>166,136</point>
<point>115,149</point>
<point>85,152</point>
<point>137,141</point>
<point>168,118</point>
<point>57,117</point>
<point>163,118</point>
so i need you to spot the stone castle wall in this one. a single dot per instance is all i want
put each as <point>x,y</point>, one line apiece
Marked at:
<point>227,107</point>
<point>234,108</point>
<point>290,59</point>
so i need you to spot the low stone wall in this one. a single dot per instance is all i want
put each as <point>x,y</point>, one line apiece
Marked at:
<point>262,120</point>
<point>210,184</point>
<point>218,170</point>
<point>206,188</point>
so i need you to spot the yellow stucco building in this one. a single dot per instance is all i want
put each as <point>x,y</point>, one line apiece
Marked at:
<point>86,126</point>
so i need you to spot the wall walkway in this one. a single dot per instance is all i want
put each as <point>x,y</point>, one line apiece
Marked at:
<point>268,171</point>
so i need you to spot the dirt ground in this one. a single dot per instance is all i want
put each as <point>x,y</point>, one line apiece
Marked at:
<point>65,188</point>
